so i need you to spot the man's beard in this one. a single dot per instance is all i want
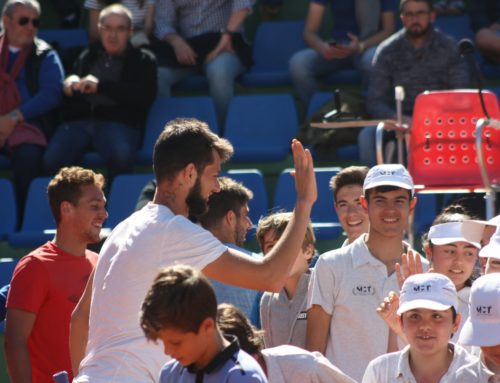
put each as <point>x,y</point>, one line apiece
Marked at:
<point>419,33</point>
<point>197,205</point>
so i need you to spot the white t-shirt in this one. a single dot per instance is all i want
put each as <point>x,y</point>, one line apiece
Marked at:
<point>138,13</point>
<point>395,368</point>
<point>349,284</point>
<point>290,364</point>
<point>117,350</point>
<point>463,310</point>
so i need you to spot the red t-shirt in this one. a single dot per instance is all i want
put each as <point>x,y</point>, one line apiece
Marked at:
<point>49,283</point>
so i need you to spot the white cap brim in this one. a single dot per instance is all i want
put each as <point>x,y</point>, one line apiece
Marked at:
<point>448,240</point>
<point>422,304</point>
<point>480,334</point>
<point>389,182</point>
<point>491,250</point>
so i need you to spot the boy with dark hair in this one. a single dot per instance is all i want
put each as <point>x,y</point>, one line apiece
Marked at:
<point>347,186</point>
<point>180,309</point>
<point>283,316</point>
<point>282,364</point>
<point>428,316</point>
<point>348,284</point>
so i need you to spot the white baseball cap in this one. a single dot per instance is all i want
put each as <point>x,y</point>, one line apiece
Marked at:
<point>492,249</point>
<point>450,232</point>
<point>431,291</point>
<point>495,221</point>
<point>388,175</point>
<point>482,327</point>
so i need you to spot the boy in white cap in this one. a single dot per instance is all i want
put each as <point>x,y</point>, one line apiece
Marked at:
<point>483,326</point>
<point>491,252</point>
<point>348,284</point>
<point>428,316</point>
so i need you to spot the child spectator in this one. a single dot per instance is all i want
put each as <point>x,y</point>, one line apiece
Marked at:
<point>283,316</point>
<point>180,309</point>
<point>482,328</point>
<point>282,364</point>
<point>491,252</point>
<point>347,186</point>
<point>428,316</point>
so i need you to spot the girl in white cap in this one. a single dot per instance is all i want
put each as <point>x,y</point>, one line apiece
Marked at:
<point>482,328</point>
<point>428,317</point>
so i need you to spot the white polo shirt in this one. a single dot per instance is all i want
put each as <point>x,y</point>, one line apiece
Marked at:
<point>395,368</point>
<point>349,283</point>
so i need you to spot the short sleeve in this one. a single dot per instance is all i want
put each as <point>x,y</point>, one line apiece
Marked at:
<point>370,375</point>
<point>322,286</point>
<point>29,286</point>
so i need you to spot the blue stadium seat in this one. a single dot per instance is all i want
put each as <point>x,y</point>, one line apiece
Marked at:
<point>254,180</point>
<point>8,209</point>
<point>7,266</point>
<point>457,27</point>
<point>165,109</point>
<point>38,224</point>
<point>65,38</point>
<point>323,216</point>
<point>261,127</point>
<point>425,211</point>
<point>345,76</point>
<point>123,196</point>
<point>275,42</point>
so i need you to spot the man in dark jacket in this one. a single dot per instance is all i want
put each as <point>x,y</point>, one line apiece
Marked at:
<point>107,100</point>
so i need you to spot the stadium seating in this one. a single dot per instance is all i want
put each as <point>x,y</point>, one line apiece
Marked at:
<point>165,109</point>
<point>38,225</point>
<point>8,209</point>
<point>323,216</point>
<point>261,127</point>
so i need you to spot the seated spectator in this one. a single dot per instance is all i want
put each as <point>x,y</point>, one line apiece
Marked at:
<point>347,186</point>
<point>358,27</point>
<point>428,317</point>
<point>482,329</point>
<point>202,36</point>
<point>31,77</point>
<point>418,58</point>
<point>180,310</point>
<point>283,316</point>
<point>227,219</point>
<point>107,99</point>
<point>48,282</point>
<point>142,18</point>
<point>282,364</point>
<point>69,12</point>
<point>485,20</point>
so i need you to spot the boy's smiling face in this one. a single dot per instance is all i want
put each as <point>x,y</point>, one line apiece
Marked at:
<point>428,331</point>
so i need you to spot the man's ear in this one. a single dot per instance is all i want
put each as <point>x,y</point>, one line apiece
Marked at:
<point>428,252</point>
<point>413,203</point>
<point>189,174</point>
<point>230,217</point>
<point>65,208</point>
<point>363,201</point>
<point>309,253</point>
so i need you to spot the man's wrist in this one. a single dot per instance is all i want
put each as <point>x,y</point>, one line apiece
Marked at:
<point>225,31</point>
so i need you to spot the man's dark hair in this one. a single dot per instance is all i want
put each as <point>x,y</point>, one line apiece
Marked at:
<point>180,298</point>
<point>352,175</point>
<point>385,189</point>
<point>231,197</point>
<point>67,186</point>
<point>185,141</point>
<point>429,3</point>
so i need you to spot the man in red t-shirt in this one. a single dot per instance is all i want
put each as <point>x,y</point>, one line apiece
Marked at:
<point>48,282</point>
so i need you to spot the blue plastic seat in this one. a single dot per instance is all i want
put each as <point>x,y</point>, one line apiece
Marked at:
<point>275,42</point>
<point>8,208</point>
<point>165,109</point>
<point>425,211</point>
<point>123,196</point>
<point>261,127</point>
<point>323,216</point>
<point>457,26</point>
<point>38,225</point>
<point>65,38</point>
<point>7,266</point>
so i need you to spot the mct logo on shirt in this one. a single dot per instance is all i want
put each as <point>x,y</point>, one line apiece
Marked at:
<point>302,315</point>
<point>484,310</point>
<point>363,290</point>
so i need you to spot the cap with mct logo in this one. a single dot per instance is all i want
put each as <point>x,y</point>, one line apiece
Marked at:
<point>431,291</point>
<point>482,328</point>
<point>388,175</point>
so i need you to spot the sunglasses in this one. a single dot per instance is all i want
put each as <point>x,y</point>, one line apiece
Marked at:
<point>25,20</point>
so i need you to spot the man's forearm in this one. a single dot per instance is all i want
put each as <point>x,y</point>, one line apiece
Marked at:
<point>18,361</point>
<point>237,18</point>
<point>78,337</point>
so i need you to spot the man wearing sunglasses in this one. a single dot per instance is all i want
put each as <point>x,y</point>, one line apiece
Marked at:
<point>31,77</point>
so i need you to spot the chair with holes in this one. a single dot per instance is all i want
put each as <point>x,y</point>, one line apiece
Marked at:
<point>323,216</point>
<point>442,152</point>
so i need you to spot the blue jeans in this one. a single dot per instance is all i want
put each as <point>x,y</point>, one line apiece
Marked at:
<point>366,145</point>
<point>115,142</point>
<point>221,73</point>
<point>307,65</point>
